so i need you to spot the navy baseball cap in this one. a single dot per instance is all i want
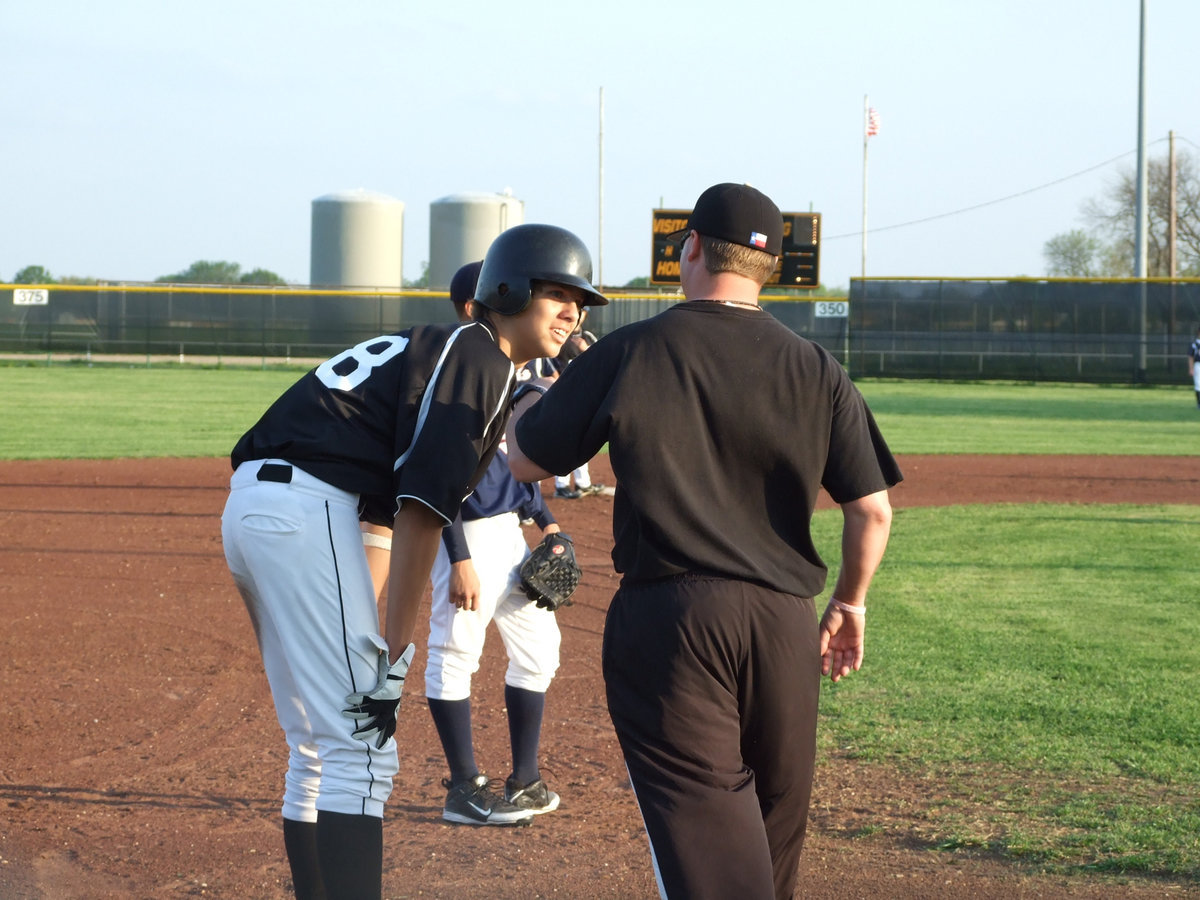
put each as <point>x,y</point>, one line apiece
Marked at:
<point>462,285</point>
<point>739,214</point>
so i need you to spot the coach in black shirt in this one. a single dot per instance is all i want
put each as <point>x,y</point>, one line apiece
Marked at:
<point>712,648</point>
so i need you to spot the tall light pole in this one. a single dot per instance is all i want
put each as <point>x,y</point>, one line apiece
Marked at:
<point>1141,234</point>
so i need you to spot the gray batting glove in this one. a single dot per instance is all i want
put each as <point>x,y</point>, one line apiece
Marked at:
<point>376,709</point>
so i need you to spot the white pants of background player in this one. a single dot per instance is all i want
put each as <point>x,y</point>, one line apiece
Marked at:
<point>296,554</point>
<point>456,637</point>
<point>583,479</point>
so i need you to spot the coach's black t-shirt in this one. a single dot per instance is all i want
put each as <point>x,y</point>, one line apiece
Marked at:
<point>722,425</point>
<point>417,414</point>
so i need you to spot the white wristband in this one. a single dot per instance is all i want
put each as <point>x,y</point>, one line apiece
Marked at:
<point>371,539</point>
<point>847,608</point>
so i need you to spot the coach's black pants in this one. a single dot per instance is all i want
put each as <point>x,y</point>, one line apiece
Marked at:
<point>712,688</point>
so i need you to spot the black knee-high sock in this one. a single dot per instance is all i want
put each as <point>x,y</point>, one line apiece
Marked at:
<point>525,710</point>
<point>351,852</point>
<point>452,719</point>
<point>300,841</point>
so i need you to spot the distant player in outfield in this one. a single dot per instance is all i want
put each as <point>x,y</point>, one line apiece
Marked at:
<point>1194,364</point>
<point>396,431</point>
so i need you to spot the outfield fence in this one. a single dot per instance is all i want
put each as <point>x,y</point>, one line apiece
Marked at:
<point>1020,329</point>
<point>1091,330</point>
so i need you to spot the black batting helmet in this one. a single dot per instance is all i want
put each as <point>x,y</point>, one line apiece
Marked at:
<point>527,253</point>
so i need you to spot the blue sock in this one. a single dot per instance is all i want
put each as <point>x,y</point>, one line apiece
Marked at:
<point>525,709</point>
<point>452,718</point>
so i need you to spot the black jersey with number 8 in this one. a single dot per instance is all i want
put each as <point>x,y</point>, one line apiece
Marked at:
<point>416,414</point>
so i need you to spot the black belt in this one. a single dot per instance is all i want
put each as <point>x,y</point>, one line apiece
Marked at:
<point>275,472</point>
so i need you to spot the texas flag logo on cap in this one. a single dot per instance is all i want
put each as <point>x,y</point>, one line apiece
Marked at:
<point>758,239</point>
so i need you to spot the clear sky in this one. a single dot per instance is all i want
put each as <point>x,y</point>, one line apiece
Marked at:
<point>139,137</point>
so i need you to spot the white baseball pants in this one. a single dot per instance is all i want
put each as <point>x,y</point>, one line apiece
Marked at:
<point>456,637</point>
<point>296,554</point>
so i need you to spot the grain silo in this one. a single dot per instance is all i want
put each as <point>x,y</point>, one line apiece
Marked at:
<point>462,227</point>
<point>357,240</point>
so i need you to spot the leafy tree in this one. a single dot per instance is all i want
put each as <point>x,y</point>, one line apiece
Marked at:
<point>261,276</point>
<point>642,281</point>
<point>1112,218</point>
<point>418,283</point>
<point>1115,214</point>
<point>205,272</point>
<point>1074,254</point>
<point>33,275</point>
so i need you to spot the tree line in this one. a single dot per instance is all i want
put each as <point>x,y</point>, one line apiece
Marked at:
<point>1106,246</point>
<point>200,272</point>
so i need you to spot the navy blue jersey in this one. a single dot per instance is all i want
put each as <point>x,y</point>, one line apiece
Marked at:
<point>497,493</point>
<point>1194,350</point>
<point>417,414</point>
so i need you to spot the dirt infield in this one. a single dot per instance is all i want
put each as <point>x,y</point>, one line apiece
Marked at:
<point>142,758</point>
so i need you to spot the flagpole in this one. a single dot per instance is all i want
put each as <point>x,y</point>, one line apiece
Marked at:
<point>600,210</point>
<point>866,136</point>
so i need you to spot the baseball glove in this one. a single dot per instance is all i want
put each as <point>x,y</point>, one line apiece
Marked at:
<point>550,574</point>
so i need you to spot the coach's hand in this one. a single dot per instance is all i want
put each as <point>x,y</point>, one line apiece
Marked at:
<point>842,634</point>
<point>376,710</point>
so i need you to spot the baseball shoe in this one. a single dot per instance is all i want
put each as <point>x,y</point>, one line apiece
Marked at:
<point>566,493</point>
<point>472,802</point>
<point>534,797</point>
<point>594,489</point>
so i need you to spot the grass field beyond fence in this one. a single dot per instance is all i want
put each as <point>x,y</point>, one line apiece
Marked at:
<point>1032,672</point>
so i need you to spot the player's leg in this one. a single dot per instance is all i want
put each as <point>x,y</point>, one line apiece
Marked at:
<point>780,687</point>
<point>563,489</point>
<point>671,658</point>
<point>301,543</point>
<point>455,646</point>
<point>532,640</point>
<point>304,768</point>
<point>1196,382</point>
<point>456,641</point>
<point>583,478</point>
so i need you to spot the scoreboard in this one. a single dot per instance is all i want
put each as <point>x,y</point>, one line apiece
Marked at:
<point>799,264</point>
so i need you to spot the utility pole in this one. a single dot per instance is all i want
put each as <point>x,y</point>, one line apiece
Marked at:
<point>1172,209</point>
<point>1140,240</point>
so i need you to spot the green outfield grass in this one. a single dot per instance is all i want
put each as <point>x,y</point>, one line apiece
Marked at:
<point>936,417</point>
<point>74,411</point>
<point>1036,669</point>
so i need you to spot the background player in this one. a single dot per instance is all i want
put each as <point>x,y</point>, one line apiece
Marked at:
<point>396,431</point>
<point>551,368</point>
<point>476,581</point>
<point>1194,364</point>
<point>712,654</point>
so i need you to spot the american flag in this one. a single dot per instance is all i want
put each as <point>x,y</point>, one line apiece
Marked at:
<point>872,122</point>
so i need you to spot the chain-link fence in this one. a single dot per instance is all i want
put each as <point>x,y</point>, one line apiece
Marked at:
<point>1091,330</point>
<point>190,322</point>
<point>1024,329</point>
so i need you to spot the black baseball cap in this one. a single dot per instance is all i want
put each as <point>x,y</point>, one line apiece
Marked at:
<point>739,214</point>
<point>462,285</point>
